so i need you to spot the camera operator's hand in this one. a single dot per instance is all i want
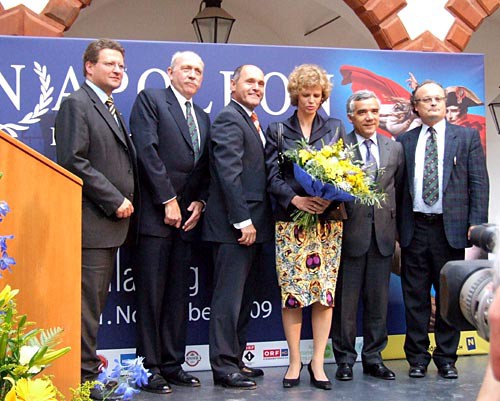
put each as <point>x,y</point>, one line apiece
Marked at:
<point>494,322</point>
<point>490,389</point>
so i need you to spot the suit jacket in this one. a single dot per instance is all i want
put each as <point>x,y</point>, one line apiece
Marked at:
<point>358,226</point>
<point>281,181</point>
<point>167,168</point>
<point>237,179</point>
<point>465,185</point>
<point>92,146</point>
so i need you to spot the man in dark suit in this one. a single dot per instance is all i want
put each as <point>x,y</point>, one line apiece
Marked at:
<point>238,220</point>
<point>94,144</point>
<point>170,134</point>
<point>368,242</point>
<point>445,191</point>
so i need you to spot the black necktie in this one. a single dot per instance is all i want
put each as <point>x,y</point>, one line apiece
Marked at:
<point>370,162</point>
<point>193,131</point>
<point>430,185</point>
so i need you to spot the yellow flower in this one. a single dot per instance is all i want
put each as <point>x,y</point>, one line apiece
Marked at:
<point>32,390</point>
<point>304,156</point>
<point>6,295</point>
<point>327,151</point>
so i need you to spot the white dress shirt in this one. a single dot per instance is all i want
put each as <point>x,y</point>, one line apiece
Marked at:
<point>418,203</point>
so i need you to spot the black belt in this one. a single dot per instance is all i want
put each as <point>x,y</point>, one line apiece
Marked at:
<point>428,216</point>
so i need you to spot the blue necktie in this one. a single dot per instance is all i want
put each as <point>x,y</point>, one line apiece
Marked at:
<point>370,162</point>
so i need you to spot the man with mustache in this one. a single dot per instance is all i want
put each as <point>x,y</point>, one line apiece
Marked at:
<point>171,133</point>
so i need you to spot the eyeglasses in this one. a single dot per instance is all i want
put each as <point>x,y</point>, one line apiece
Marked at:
<point>112,66</point>
<point>428,100</point>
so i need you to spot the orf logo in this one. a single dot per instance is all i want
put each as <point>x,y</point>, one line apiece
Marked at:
<point>193,358</point>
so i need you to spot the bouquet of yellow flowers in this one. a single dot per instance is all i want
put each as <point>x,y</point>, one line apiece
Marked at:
<point>331,173</point>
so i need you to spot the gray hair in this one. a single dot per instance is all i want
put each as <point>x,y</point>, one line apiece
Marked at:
<point>179,54</point>
<point>363,94</point>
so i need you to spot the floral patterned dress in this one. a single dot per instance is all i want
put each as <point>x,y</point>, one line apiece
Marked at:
<point>307,262</point>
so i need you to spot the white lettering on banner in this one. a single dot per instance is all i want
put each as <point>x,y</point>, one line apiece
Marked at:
<point>196,314</point>
<point>227,85</point>
<point>286,99</point>
<point>70,78</point>
<point>123,283</point>
<point>14,97</point>
<point>259,311</point>
<point>195,287</point>
<point>128,315</point>
<point>262,310</point>
<point>53,135</point>
<point>141,84</point>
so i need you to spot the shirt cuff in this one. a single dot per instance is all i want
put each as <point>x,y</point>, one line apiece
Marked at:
<point>242,224</point>
<point>171,199</point>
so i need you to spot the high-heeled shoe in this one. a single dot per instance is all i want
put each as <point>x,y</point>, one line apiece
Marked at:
<point>289,383</point>
<point>321,384</point>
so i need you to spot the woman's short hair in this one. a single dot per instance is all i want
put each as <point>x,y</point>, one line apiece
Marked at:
<point>307,75</point>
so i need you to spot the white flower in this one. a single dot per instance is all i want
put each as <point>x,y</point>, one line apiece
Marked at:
<point>25,354</point>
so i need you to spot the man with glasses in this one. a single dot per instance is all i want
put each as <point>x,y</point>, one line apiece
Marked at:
<point>94,144</point>
<point>444,192</point>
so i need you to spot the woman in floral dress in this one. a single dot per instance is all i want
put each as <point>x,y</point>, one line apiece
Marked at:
<point>307,260</point>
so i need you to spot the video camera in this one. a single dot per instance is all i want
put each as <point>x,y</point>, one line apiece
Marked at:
<point>468,286</point>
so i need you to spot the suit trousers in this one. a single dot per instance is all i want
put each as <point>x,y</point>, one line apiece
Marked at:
<point>161,276</point>
<point>235,274</point>
<point>98,266</point>
<point>366,277</point>
<point>421,264</point>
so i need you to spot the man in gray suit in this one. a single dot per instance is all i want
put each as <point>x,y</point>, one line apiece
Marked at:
<point>367,246</point>
<point>94,144</point>
<point>238,220</point>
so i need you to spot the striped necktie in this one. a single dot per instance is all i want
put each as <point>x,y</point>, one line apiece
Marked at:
<point>110,103</point>
<point>256,122</point>
<point>430,185</point>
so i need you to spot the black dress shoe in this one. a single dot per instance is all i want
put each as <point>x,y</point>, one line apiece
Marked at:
<point>417,371</point>
<point>321,384</point>
<point>157,384</point>
<point>344,372</point>
<point>379,370</point>
<point>236,380</point>
<point>448,371</point>
<point>289,383</point>
<point>251,372</point>
<point>182,378</point>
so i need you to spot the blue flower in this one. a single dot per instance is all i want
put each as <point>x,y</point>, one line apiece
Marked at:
<point>138,375</point>
<point>3,242</point>
<point>4,209</point>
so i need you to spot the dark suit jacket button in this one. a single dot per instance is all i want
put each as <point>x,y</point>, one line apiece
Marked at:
<point>125,148</point>
<point>131,195</point>
<point>130,171</point>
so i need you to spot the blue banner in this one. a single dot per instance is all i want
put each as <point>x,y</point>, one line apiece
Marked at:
<point>36,74</point>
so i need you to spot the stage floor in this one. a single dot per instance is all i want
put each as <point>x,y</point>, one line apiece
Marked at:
<point>362,388</point>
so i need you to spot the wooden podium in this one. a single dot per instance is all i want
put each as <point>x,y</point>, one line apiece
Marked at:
<point>45,219</point>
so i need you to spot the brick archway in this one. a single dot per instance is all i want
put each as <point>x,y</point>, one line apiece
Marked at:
<point>379,16</point>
